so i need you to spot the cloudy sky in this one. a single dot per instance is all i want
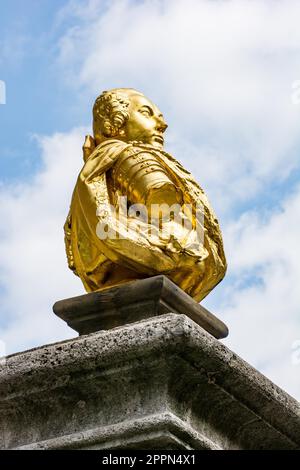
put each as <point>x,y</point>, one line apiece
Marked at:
<point>225,75</point>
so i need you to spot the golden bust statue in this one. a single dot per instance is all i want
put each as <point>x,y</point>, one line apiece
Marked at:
<point>135,211</point>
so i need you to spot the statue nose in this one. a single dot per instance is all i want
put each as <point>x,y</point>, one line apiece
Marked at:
<point>162,126</point>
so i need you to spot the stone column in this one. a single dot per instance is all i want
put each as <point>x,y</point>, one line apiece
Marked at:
<point>162,382</point>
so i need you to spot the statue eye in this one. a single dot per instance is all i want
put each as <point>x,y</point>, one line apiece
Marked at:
<point>145,112</point>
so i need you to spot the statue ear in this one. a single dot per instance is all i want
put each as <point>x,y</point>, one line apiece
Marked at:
<point>88,147</point>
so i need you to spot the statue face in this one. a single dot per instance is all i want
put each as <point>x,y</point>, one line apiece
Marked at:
<point>146,123</point>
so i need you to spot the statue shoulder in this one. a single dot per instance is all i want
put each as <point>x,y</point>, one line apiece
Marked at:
<point>101,159</point>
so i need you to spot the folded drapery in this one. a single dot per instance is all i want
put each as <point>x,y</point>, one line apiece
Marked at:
<point>107,245</point>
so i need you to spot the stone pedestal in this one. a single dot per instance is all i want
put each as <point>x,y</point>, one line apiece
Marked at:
<point>159,383</point>
<point>132,302</point>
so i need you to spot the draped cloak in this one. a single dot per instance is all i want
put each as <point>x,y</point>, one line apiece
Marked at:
<point>196,267</point>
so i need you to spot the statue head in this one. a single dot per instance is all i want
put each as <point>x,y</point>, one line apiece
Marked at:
<point>126,114</point>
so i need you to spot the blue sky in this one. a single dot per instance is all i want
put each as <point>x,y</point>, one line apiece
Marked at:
<point>222,73</point>
<point>38,102</point>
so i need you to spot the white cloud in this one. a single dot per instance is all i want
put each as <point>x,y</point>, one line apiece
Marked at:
<point>261,304</point>
<point>264,317</point>
<point>33,269</point>
<point>221,71</point>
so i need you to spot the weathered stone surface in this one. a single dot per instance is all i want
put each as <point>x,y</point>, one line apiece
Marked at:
<point>158,383</point>
<point>131,302</point>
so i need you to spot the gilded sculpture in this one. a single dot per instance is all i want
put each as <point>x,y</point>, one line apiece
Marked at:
<point>135,211</point>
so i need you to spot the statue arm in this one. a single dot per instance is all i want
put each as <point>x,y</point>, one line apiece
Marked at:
<point>68,243</point>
